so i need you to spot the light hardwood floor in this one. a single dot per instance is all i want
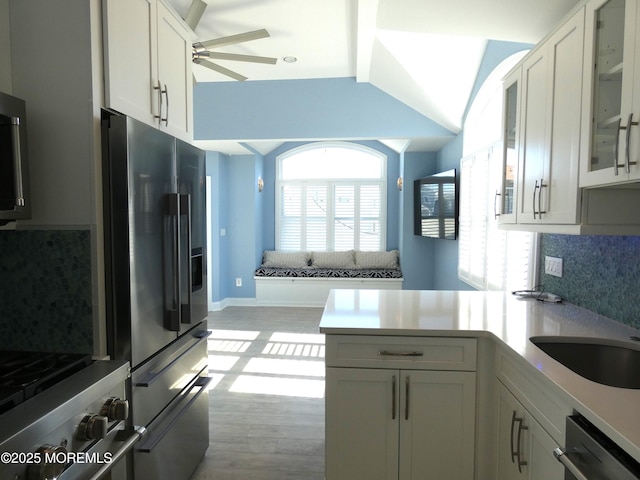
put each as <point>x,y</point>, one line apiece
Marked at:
<point>278,433</point>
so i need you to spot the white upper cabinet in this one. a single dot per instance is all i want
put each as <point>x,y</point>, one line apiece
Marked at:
<point>505,201</point>
<point>611,93</point>
<point>147,57</point>
<point>550,131</point>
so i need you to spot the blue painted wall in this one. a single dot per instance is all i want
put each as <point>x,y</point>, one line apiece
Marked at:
<point>336,108</point>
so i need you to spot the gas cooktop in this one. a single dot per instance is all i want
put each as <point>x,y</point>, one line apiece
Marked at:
<point>25,374</point>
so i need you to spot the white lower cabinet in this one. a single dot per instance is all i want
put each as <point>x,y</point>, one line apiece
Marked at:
<point>525,449</point>
<point>390,423</point>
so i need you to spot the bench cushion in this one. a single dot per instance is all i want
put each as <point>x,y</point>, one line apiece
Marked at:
<point>328,272</point>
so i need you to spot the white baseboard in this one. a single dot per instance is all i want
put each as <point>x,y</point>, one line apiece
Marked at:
<point>232,302</point>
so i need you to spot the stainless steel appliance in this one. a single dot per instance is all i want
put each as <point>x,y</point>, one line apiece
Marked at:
<point>157,305</point>
<point>592,455</point>
<point>15,201</point>
<point>63,417</point>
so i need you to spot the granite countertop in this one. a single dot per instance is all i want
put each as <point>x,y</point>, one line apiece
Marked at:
<point>508,319</point>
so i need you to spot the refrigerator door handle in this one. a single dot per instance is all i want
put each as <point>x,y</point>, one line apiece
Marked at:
<point>185,248</point>
<point>174,277</point>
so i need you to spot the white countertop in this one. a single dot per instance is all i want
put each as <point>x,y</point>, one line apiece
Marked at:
<point>509,319</point>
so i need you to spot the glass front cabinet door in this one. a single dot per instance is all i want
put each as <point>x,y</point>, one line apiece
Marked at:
<point>505,199</point>
<point>611,102</point>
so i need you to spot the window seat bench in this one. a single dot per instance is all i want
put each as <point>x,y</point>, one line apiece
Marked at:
<point>311,275</point>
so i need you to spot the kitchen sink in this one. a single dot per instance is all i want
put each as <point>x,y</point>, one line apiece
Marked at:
<point>609,362</point>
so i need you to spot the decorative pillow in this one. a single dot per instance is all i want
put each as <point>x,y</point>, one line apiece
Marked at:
<point>276,259</point>
<point>343,260</point>
<point>377,260</point>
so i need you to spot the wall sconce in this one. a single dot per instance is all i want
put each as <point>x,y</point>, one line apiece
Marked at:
<point>260,184</point>
<point>399,183</point>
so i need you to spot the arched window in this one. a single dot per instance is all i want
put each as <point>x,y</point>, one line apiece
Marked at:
<point>331,197</point>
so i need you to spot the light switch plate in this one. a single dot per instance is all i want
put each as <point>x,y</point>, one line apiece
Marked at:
<point>553,266</point>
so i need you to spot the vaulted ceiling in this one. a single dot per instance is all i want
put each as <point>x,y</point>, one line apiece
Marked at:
<point>425,53</point>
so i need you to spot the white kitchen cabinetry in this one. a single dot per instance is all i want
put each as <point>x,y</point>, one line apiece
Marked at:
<point>551,139</point>
<point>400,408</point>
<point>505,202</point>
<point>550,128</point>
<point>611,93</point>
<point>530,422</point>
<point>525,449</point>
<point>147,57</point>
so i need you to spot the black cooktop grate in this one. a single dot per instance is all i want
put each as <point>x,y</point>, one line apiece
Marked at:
<point>25,374</point>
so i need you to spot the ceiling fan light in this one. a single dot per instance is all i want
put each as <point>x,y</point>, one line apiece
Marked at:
<point>289,59</point>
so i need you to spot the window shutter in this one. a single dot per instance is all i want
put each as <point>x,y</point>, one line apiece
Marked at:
<point>490,258</point>
<point>290,218</point>
<point>370,220</point>
<point>315,218</point>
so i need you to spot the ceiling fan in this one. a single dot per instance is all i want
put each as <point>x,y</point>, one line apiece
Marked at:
<point>202,50</point>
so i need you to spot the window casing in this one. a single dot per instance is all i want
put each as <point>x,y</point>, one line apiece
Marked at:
<point>331,197</point>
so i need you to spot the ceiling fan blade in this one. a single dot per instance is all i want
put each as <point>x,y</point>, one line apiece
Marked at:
<point>222,70</point>
<point>233,39</point>
<point>239,58</point>
<point>194,14</point>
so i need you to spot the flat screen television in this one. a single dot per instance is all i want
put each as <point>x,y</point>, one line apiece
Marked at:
<point>436,206</point>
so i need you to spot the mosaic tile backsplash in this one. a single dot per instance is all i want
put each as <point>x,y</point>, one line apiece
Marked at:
<point>45,291</point>
<point>600,273</point>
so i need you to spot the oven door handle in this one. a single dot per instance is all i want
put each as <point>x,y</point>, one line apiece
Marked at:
<point>151,442</point>
<point>561,456</point>
<point>126,447</point>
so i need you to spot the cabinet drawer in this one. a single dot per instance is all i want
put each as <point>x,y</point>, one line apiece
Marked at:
<point>425,353</point>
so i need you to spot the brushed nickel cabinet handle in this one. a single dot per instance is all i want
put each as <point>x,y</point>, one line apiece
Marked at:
<point>386,353</point>
<point>535,189</point>
<point>616,148</point>
<point>627,160</point>
<point>540,212</point>
<point>393,398</point>
<point>406,398</point>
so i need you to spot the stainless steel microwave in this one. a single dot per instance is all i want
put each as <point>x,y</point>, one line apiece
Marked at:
<point>15,201</point>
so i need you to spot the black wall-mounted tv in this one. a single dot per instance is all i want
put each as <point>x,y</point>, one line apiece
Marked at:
<point>435,206</point>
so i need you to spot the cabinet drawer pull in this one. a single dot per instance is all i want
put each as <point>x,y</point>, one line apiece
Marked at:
<point>495,209</point>
<point>386,353</point>
<point>542,185</point>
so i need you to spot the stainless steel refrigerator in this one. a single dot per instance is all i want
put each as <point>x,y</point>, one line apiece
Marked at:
<point>155,257</point>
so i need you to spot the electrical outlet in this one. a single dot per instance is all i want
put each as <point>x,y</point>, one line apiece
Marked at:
<point>238,282</point>
<point>553,266</point>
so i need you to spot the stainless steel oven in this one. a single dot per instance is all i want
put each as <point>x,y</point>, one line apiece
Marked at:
<point>591,455</point>
<point>65,417</point>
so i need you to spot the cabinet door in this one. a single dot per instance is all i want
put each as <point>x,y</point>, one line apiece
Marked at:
<point>525,449</point>
<point>506,196</point>
<point>174,74</point>
<point>510,415</point>
<point>612,107</point>
<point>558,195</point>
<point>437,425</point>
<point>129,30</point>
<point>543,464</point>
<point>362,422</point>
<point>535,149</point>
